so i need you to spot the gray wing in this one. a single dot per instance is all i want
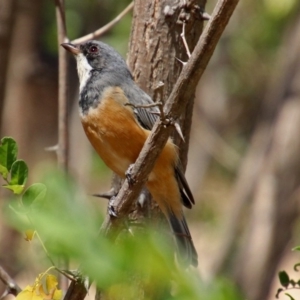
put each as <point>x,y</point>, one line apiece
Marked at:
<point>147,118</point>
<point>136,96</point>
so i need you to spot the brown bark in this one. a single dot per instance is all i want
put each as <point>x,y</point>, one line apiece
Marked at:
<point>155,43</point>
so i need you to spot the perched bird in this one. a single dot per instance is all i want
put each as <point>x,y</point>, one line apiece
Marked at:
<point>118,132</point>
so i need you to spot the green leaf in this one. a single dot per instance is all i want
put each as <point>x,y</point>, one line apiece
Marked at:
<point>19,173</point>
<point>16,188</point>
<point>278,292</point>
<point>34,194</point>
<point>296,266</point>
<point>18,177</point>
<point>291,298</point>
<point>297,248</point>
<point>8,155</point>
<point>292,282</point>
<point>3,171</point>
<point>284,278</point>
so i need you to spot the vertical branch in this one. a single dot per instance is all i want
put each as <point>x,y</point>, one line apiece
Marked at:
<point>62,150</point>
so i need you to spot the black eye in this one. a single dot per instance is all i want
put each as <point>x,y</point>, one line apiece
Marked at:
<point>93,49</point>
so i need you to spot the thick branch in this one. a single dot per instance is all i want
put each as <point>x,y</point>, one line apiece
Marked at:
<point>189,76</point>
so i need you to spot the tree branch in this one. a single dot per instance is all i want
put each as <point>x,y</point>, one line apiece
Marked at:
<point>105,28</point>
<point>63,131</point>
<point>62,151</point>
<point>189,76</point>
<point>11,287</point>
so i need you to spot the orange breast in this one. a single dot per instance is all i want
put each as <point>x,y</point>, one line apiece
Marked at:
<point>114,132</point>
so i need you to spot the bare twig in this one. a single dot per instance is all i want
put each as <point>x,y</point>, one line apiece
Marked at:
<point>184,40</point>
<point>106,195</point>
<point>62,153</point>
<point>52,148</point>
<point>11,286</point>
<point>102,30</point>
<point>63,134</point>
<point>144,106</point>
<point>189,76</point>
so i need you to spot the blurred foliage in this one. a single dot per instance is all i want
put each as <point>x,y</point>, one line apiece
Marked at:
<point>68,227</point>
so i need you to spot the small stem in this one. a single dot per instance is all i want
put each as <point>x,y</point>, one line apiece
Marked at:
<point>184,40</point>
<point>102,30</point>
<point>144,106</point>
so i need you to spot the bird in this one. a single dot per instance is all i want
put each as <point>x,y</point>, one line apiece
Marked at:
<point>118,131</point>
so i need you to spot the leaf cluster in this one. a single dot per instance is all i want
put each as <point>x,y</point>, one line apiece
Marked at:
<point>15,173</point>
<point>288,283</point>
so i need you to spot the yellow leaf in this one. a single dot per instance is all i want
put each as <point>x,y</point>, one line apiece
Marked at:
<point>37,296</point>
<point>29,234</point>
<point>29,293</point>
<point>24,295</point>
<point>42,293</point>
<point>51,282</point>
<point>57,295</point>
<point>37,292</point>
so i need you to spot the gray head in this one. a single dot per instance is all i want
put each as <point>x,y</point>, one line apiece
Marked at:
<point>95,55</point>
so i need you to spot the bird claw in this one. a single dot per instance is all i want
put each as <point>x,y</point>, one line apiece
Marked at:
<point>111,208</point>
<point>128,175</point>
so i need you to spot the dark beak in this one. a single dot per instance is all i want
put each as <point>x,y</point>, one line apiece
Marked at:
<point>74,49</point>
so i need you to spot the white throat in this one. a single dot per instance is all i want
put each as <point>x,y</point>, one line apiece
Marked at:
<point>84,70</point>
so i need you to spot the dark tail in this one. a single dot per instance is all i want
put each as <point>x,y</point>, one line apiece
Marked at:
<point>186,249</point>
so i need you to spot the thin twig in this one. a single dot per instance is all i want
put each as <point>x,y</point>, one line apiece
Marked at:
<point>184,40</point>
<point>144,106</point>
<point>63,133</point>
<point>102,30</point>
<point>62,152</point>
<point>190,75</point>
<point>11,286</point>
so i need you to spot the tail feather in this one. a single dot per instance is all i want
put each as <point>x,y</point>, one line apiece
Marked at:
<point>186,248</point>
